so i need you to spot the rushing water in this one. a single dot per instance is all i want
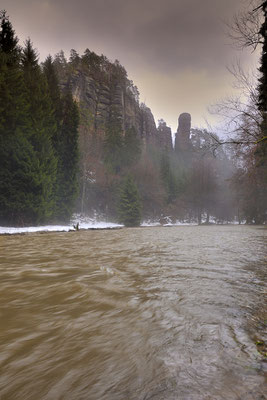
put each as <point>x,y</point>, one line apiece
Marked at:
<point>133,314</point>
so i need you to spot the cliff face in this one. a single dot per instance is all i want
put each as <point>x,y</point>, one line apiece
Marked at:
<point>100,87</point>
<point>110,147</point>
<point>164,136</point>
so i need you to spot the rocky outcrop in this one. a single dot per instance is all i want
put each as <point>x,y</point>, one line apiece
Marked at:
<point>148,129</point>
<point>164,136</point>
<point>105,89</point>
<point>182,137</point>
<point>102,88</point>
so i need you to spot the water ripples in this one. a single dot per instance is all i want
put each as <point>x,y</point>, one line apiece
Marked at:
<point>132,314</point>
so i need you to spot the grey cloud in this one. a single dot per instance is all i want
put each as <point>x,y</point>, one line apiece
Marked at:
<point>167,34</point>
<point>166,38</point>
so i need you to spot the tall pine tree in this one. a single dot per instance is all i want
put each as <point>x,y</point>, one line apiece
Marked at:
<point>68,158</point>
<point>65,144</point>
<point>129,208</point>
<point>18,161</point>
<point>113,142</point>
<point>54,92</point>
<point>131,147</point>
<point>43,128</point>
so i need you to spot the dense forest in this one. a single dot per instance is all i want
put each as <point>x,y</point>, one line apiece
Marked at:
<point>75,139</point>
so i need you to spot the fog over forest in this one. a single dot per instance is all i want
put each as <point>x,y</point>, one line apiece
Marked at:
<point>77,140</point>
<point>133,230</point>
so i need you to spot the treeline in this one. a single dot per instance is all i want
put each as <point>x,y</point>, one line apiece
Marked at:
<point>38,137</point>
<point>192,185</point>
<point>104,156</point>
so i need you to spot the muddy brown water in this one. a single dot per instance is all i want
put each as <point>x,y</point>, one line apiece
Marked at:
<point>133,314</point>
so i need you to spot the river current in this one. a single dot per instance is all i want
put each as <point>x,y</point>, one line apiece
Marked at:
<point>158,313</point>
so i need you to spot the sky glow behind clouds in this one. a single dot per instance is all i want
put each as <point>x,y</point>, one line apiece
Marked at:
<point>175,51</point>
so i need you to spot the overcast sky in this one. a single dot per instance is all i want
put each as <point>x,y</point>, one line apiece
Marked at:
<point>175,51</point>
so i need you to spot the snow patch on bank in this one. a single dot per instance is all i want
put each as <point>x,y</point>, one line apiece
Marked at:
<point>83,224</point>
<point>176,223</point>
<point>31,229</point>
<point>92,223</point>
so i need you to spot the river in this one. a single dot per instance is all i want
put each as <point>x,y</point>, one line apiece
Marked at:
<point>158,313</point>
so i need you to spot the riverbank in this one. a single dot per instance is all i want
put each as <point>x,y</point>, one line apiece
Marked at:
<point>56,228</point>
<point>93,226</point>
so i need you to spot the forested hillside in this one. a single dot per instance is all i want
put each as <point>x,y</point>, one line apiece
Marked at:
<point>74,138</point>
<point>38,137</point>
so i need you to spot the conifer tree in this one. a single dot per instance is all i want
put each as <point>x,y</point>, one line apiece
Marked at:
<point>18,161</point>
<point>43,128</point>
<point>113,143</point>
<point>54,92</point>
<point>131,147</point>
<point>8,40</point>
<point>168,178</point>
<point>68,158</point>
<point>65,143</point>
<point>129,208</point>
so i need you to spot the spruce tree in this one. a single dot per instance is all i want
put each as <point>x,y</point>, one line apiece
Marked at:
<point>18,161</point>
<point>68,158</point>
<point>131,147</point>
<point>65,143</point>
<point>8,39</point>
<point>129,208</point>
<point>43,128</point>
<point>168,178</point>
<point>54,92</point>
<point>113,143</point>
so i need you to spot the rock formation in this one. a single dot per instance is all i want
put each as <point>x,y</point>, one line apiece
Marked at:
<point>182,137</point>
<point>147,129</point>
<point>164,136</point>
<point>101,87</point>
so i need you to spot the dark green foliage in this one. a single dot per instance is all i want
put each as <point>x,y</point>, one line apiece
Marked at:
<point>43,127</point>
<point>168,178</point>
<point>113,143</point>
<point>38,137</point>
<point>129,209</point>
<point>131,147</point>
<point>67,180</point>
<point>54,92</point>
<point>39,146</point>
<point>74,59</point>
<point>38,97</point>
<point>26,196</point>
<point>16,152</point>
<point>120,150</point>
<point>17,157</point>
<point>8,40</point>
<point>65,141</point>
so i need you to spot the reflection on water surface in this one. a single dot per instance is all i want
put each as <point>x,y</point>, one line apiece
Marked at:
<point>132,314</point>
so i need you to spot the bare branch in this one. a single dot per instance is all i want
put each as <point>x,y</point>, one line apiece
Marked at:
<point>244,30</point>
